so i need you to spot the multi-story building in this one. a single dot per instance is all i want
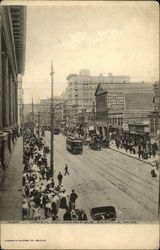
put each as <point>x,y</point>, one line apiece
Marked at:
<point>45,109</point>
<point>155,115</point>
<point>30,112</point>
<point>123,106</point>
<point>81,89</point>
<point>12,57</point>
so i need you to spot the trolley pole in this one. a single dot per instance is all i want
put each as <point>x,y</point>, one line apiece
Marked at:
<point>52,125</point>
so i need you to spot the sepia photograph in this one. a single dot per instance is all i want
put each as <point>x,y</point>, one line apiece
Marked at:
<point>79,113</point>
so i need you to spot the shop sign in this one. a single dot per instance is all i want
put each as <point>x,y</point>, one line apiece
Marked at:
<point>132,129</point>
<point>146,129</point>
<point>125,127</point>
<point>146,122</point>
<point>91,128</point>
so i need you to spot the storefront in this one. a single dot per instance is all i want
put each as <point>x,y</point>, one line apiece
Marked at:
<point>139,133</point>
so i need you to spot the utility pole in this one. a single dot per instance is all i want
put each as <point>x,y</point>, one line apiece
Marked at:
<point>32,116</point>
<point>38,124</point>
<point>94,111</point>
<point>52,125</point>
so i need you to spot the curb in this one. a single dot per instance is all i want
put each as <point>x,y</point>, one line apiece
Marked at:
<point>149,163</point>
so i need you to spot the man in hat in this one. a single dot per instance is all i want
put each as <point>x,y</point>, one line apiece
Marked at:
<point>73,197</point>
<point>60,177</point>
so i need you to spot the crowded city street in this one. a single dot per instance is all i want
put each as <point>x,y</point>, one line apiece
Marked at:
<point>107,177</point>
<point>79,125</point>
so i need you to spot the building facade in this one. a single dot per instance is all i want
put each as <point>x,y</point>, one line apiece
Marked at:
<point>80,92</point>
<point>123,107</point>
<point>155,115</point>
<point>12,57</point>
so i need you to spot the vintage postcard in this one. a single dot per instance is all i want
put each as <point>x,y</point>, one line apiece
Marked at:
<point>79,124</point>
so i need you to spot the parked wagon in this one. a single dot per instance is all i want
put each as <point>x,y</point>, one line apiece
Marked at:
<point>95,146</point>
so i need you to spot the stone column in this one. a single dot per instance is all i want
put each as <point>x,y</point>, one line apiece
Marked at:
<point>6,92</point>
<point>10,99</point>
<point>13,100</point>
<point>0,74</point>
<point>16,103</point>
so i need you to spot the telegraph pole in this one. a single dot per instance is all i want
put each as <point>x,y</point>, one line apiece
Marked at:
<point>52,125</point>
<point>32,116</point>
<point>38,124</point>
<point>94,111</point>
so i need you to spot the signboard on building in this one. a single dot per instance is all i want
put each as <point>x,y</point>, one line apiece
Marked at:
<point>125,127</point>
<point>115,101</point>
<point>91,128</point>
<point>146,122</point>
<point>146,129</point>
<point>132,129</point>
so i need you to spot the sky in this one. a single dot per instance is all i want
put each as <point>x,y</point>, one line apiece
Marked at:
<point>117,37</point>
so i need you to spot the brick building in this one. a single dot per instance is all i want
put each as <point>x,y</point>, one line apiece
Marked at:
<point>155,115</point>
<point>12,57</point>
<point>123,106</point>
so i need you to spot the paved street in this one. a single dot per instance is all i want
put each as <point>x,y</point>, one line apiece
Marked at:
<point>107,177</point>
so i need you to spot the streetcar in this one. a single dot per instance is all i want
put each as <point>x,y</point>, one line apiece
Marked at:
<point>73,145</point>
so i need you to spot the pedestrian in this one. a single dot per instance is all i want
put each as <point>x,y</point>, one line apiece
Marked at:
<point>157,164</point>
<point>153,171</point>
<point>67,215</point>
<point>60,177</point>
<point>66,170</point>
<point>74,215</point>
<point>31,208</point>
<point>37,215</point>
<point>63,200</point>
<point>54,208</point>
<point>73,197</point>
<point>52,184</point>
<point>82,216</point>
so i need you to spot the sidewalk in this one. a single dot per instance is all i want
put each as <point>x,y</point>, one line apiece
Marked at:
<point>11,186</point>
<point>135,156</point>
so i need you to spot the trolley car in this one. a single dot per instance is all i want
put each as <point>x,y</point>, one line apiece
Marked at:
<point>73,145</point>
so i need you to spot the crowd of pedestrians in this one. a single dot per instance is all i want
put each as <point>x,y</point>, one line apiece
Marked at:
<point>145,150</point>
<point>42,198</point>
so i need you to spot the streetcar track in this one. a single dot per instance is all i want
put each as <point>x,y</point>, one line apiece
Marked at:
<point>123,169</point>
<point>123,188</point>
<point>129,194</point>
<point>133,182</point>
<point>117,167</point>
<point>120,185</point>
<point>138,176</point>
